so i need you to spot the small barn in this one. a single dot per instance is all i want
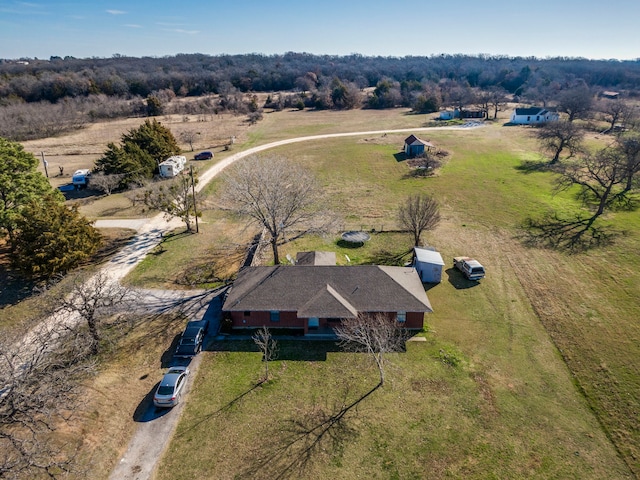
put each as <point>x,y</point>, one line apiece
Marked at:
<point>413,146</point>
<point>428,263</point>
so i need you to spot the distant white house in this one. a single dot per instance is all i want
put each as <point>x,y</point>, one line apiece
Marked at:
<point>172,166</point>
<point>533,116</point>
<point>428,263</point>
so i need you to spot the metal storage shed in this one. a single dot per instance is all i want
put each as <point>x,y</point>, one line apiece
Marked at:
<point>429,265</point>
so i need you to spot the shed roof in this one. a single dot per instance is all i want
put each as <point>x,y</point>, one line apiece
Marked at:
<point>328,291</point>
<point>428,256</point>
<point>413,140</point>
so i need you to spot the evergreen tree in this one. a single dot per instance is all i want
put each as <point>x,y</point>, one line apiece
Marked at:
<point>153,138</point>
<point>51,238</point>
<point>20,182</point>
<point>141,151</point>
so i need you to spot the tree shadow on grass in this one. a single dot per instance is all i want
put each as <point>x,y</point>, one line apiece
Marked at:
<point>534,166</point>
<point>202,420</point>
<point>300,441</point>
<point>389,258</point>
<point>13,288</point>
<point>571,235</point>
<point>290,350</point>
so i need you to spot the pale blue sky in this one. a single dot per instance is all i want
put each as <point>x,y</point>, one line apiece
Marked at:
<point>101,28</point>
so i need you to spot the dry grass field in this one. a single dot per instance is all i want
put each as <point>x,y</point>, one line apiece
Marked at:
<point>548,384</point>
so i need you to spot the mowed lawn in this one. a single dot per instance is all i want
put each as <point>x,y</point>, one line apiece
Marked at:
<point>545,381</point>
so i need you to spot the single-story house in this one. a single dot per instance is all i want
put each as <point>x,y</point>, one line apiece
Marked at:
<point>313,298</point>
<point>533,116</point>
<point>413,146</point>
<point>428,263</point>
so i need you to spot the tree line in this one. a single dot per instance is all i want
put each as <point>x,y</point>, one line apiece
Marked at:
<point>41,98</point>
<point>34,80</point>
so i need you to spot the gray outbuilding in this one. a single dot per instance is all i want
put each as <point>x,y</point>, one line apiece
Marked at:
<point>428,264</point>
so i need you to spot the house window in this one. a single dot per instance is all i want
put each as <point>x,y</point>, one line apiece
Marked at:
<point>528,119</point>
<point>247,313</point>
<point>314,323</point>
<point>274,315</point>
<point>538,118</point>
<point>402,317</point>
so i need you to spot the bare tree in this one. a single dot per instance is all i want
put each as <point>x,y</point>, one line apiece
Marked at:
<point>268,346</point>
<point>555,137</point>
<point>106,183</point>
<point>576,102</point>
<point>606,178</point>
<point>94,299</point>
<point>616,112</point>
<point>174,198</point>
<point>497,100</point>
<point>420,212</point>
<point>375,334</point>
<point>276,194</point>
<point>189,136</point>
<point>39,376</point>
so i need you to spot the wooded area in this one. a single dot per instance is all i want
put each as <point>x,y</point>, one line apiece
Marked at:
<point>85,90</point>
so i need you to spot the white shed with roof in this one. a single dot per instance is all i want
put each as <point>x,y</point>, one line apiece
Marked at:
<point>428,264</point>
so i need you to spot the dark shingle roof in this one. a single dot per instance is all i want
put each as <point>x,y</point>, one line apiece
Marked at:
<point>530,111</point>
<point>413,140</point>
<point>316,258</point>
<point>328,291</point>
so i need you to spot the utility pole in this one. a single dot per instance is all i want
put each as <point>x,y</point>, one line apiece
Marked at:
<point>193,191</point>
<point>45,163</point>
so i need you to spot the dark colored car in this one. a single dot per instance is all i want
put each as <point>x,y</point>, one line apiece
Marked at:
<point>204,324</point>
<point>190,342</point>
<point>203,156</point>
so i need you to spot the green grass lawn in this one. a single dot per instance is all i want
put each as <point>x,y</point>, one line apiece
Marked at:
<point>430,420</point>
<point>548,385</point>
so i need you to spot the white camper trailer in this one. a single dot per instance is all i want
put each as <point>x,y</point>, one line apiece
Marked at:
<point>172,166</point>
<point>80,178</point>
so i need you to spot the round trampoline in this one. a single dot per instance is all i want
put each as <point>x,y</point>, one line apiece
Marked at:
<point>354,236</point>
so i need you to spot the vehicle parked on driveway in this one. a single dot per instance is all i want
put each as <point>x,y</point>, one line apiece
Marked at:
<point>203,156</point>
<point>170,388</point>
<point>190,342</point>
<point>199,323</point>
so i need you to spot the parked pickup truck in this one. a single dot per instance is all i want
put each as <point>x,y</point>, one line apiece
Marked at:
<point>472,269</point>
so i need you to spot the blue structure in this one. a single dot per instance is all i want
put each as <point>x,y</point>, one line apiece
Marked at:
<point>413,146</point>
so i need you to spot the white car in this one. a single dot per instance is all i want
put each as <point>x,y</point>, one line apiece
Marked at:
<point>170,388</point>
